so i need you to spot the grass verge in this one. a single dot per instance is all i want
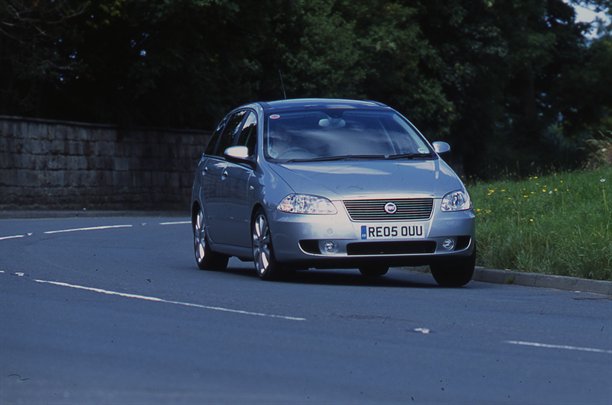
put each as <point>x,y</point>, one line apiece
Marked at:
<point>554,224</point>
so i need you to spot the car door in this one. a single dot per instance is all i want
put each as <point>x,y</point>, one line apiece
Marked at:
<point>214,173</point>
<point>238,190</point>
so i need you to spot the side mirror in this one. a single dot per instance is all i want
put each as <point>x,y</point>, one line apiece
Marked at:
<point>239,154</point>
<point>441,147</point>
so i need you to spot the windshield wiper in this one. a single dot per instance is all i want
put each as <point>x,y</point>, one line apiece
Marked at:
<point>361,157</point>
<point>410,156</point>
<point>332,158</point>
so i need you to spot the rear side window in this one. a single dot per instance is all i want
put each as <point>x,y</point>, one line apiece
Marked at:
<point>214,139</point>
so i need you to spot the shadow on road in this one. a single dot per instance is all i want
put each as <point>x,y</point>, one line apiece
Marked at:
<point>345,277</point>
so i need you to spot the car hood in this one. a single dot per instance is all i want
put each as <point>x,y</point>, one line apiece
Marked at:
<point>365,179</point>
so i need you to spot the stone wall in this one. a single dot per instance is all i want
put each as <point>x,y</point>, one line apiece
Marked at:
<point>66,165</point>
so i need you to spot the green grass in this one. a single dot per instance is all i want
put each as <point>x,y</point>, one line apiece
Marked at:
<point>554,224</point>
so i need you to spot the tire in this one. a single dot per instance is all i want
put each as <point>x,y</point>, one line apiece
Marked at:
<point>455,272</point>
<point>206,259</point>
<point>263,253</point>
<point>373,270</point>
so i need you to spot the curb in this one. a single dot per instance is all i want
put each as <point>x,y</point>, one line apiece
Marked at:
<point>543,280</point>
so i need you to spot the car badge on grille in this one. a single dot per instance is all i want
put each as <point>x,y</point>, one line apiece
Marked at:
<point>390,208</point>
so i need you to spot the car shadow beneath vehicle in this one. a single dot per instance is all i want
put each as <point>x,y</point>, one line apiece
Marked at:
<point>346,277</point>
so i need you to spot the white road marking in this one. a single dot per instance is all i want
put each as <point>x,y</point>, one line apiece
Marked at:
<point>93,228</point>
<point>155,299</point>
<point>175,223</point>
<point>12,237</point>
<point>561,347</point>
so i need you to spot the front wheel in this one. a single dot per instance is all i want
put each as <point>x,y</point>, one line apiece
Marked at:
<point>205,257</point>
<point>263,253</point>
<point>454,272</point>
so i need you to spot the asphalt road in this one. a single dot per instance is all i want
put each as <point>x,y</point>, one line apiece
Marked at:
<point>120,314</point>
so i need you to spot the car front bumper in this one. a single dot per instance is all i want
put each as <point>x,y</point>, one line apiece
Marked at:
<point>337,241</point>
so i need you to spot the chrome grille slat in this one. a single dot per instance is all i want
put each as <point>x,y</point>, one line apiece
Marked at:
<point>374,210</point>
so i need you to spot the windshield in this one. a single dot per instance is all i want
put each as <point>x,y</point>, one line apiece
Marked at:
<point>336,134</point>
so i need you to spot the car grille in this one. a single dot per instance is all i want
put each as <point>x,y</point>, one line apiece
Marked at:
<point>374,210</point>
<point>390,248</point>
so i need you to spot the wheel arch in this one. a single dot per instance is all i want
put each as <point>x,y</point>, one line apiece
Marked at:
<point>258,206</point>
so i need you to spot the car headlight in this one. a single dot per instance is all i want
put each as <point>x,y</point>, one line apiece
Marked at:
<point>306,204</point>
<point>456,201</point>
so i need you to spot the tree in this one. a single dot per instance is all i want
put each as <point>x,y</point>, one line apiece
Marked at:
<point>37,56</point>
<point>504,82</point>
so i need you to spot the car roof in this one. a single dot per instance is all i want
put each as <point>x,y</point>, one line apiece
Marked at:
<point>317,103</point>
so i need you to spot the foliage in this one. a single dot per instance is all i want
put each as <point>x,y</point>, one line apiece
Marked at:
<point>504,82</point>
<point>556,224</point>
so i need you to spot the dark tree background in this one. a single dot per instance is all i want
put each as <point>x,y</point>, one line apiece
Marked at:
<point>515,86</point>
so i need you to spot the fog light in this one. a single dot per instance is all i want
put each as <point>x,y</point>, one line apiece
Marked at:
<point>329,247</point>
<point>448,244</point>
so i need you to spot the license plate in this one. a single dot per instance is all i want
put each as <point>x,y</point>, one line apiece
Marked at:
<point>392,231</point>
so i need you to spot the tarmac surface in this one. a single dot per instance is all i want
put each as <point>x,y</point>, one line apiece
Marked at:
<point>99,310</point>
<point>487,275</point>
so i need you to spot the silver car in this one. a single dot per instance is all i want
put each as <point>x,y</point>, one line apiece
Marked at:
<point>326,183</point>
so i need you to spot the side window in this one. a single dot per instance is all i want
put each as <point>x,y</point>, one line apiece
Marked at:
<point>248,134</point>
<point>230,131</point>
<point>214,139</point>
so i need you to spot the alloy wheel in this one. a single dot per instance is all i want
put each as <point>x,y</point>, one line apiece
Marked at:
<point>263,253</point>
<point>205,257</point>
<point>199,238</point>
<point>261,244</point>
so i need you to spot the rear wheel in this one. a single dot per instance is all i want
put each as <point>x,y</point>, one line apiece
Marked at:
<point>205,257</point>
<point>454,272</point>
<point>263,253</point>
<point>373,270</point>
